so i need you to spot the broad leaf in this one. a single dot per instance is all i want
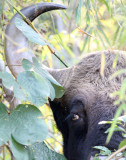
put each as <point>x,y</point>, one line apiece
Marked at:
<point>104,150</point>
<point>4,125</point>
<point>59,90</point>
<point>122,144</point>
<point>27,65</point>
<point>18,92</point>
<point>35,86</point>
<point>7,79</point>
<point>10,83</point>
<point>19,151</point>
<point>39,69</point>
<point>29,32</point>
<point>42,152</point>
<point>56,90</point>
<point>27,125</point>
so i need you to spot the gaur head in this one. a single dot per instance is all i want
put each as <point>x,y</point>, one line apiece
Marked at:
<point>87,99</point>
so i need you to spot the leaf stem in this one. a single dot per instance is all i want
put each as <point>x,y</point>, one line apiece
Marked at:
<point>115,153</point>
<point>57,56</point>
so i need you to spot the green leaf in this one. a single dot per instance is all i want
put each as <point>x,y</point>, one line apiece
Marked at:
<point>56,90</point>
<point>7,79</point>
<point>87,39</point>
<point>87,18</point>
<point>59,90</point>
<point>78,11</point>
<point>27,65</point>
<point>105,122</point>
<point>35,86</point>
<point>124,154</point>
<point>1,6</point>
<point>96,158</point>
<point>10,83</point>
<point>101,39</point>
<point>18,92</point>
<point>105,151</point>
<point>118,113</point>
<point>4,125</point>
<point>101,30</point>
<point>42,152</point>
<point>29,32</point>
<point>122,144</point>
<point>116,128</point>
<point>122,118</point>
<point>107,6</point>
<point>52,91</point>
<point>27,125</point>
<point>117,73</point>
<point>19,151</point>
<point>88,4</point>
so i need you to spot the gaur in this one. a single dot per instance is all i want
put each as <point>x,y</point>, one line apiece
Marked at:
<point>87,99</point>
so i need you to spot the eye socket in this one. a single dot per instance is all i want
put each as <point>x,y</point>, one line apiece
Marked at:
<point>75,117</point>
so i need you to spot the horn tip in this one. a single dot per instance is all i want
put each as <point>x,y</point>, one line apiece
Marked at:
<point>61,6</point>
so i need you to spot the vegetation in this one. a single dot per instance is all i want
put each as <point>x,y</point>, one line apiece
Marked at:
<point>87,26</point>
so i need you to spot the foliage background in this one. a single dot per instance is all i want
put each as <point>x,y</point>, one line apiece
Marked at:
<point>103,19</point>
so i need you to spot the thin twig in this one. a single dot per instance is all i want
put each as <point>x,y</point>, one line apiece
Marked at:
<point>115,153</point>
<point>55,139</point>
<point>50,145</point>
<point>12,65</point>
<point>3,38</point>
<point>56,56</point>
<point>12,157</point>
<point>84,32</point>
<point>3,153</point>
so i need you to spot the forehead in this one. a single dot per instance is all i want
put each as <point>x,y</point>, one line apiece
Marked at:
<point>89,69</point>
<point>86,79</point>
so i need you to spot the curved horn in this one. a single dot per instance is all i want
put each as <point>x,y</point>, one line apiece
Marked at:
<point>15,41</point>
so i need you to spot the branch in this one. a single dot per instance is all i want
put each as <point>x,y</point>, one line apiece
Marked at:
<point>12,157</point>
<point>115,153</point>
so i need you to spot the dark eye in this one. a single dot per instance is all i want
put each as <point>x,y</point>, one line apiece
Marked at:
<point>75,117</point>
